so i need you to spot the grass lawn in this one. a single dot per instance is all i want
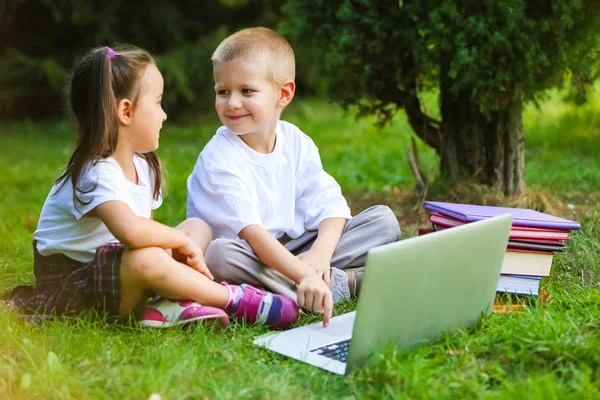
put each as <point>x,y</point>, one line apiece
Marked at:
<point>547,353</point>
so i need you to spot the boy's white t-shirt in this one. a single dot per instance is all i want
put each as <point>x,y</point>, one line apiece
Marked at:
<point>65,229</point>
<point>286,191</point>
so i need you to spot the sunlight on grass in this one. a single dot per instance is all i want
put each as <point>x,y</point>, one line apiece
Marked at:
<point>549,352</point>
<point>564,141</point>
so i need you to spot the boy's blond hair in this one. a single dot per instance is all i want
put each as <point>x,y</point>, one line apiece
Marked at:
<point>261,45</point>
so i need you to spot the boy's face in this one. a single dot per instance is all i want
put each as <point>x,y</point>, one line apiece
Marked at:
<point>246,100</point>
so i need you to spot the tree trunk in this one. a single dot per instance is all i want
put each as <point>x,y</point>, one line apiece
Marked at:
<point>488,149</point>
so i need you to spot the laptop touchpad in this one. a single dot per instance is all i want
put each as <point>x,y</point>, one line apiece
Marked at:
<point>337,328</point>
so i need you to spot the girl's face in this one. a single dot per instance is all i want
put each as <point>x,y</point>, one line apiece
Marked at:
<point>148,115</point>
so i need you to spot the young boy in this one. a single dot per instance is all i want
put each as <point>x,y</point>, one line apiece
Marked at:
<point>280,221</point>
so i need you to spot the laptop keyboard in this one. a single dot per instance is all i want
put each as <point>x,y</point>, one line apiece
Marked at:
<point>336,351</point>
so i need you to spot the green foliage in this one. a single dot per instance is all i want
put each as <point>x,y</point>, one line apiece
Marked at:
<point>378,53</point>
<point>39,41</point>
<point>25,76</point>
<point>187,71</point>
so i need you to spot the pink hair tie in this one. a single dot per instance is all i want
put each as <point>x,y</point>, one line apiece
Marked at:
<point>111,52</point>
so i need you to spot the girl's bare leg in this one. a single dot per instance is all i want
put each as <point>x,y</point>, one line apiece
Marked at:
<point>153,269</point>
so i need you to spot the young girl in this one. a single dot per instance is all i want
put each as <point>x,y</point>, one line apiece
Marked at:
<point>97,246</point>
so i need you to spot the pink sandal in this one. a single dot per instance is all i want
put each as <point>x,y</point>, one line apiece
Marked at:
<point>258,307</point>
<point>161,312</point>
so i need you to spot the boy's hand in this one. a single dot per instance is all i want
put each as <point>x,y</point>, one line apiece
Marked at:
<point>193,256</point>
<point>313,294</point>
<point>318,262</point>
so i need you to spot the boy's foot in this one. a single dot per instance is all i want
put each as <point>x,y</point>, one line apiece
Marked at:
<point>161,312</point>
<point>254,306</point>
<point>355,277</point>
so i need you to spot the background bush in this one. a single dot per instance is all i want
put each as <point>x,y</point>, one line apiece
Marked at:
<point>39,40</point>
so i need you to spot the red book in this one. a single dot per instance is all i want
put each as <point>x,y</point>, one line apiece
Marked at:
<point>515,232</point>
<point>425,231</point>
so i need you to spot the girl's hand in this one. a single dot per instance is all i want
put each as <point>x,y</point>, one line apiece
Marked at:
<point>193,256</point>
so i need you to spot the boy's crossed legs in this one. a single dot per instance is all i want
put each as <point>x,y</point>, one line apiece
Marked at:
<point>234,261</point>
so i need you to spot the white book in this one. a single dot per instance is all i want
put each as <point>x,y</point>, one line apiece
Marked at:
<point>527,285</point>
<point>525,262</point>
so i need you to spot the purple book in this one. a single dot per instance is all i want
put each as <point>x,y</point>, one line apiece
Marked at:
<point>521,216</point>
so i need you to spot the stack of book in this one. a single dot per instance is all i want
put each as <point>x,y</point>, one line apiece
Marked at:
<point>534,239</point>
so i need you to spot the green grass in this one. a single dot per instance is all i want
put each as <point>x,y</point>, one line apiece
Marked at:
<point>548,353</point>
<point>562,145</point>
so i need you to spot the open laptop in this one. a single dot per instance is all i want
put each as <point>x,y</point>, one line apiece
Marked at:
<point>412,291</point>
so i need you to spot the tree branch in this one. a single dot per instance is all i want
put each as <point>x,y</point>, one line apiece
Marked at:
<point>415,166</point>
<point>424,126</point>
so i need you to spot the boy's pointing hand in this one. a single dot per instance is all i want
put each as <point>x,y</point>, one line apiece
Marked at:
<point>314,294</point>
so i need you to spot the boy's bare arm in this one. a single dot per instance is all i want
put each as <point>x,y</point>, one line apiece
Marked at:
<point>319,255</point>
<point>312,291</point>
<point>328,237</point>
<point>273,254</point>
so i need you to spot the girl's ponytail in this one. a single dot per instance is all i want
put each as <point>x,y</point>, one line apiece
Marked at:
<point>92,100</point>
<point>102,112</point>
<point>99,80</point>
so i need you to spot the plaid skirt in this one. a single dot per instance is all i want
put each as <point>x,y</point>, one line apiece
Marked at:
<point>64,286</point>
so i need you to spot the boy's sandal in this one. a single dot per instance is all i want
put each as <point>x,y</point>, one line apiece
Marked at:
<point>161,312</point>
<point>355,277</point>
<point>264,308</point>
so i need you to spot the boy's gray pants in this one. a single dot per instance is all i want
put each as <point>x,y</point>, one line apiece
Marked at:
<point>234,261</point>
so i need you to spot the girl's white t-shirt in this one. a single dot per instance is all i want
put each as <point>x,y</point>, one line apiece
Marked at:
<point>64,228</point>
<point>286,191</point>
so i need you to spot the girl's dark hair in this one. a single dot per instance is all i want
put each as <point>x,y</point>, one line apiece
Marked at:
<point>97,85</point>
